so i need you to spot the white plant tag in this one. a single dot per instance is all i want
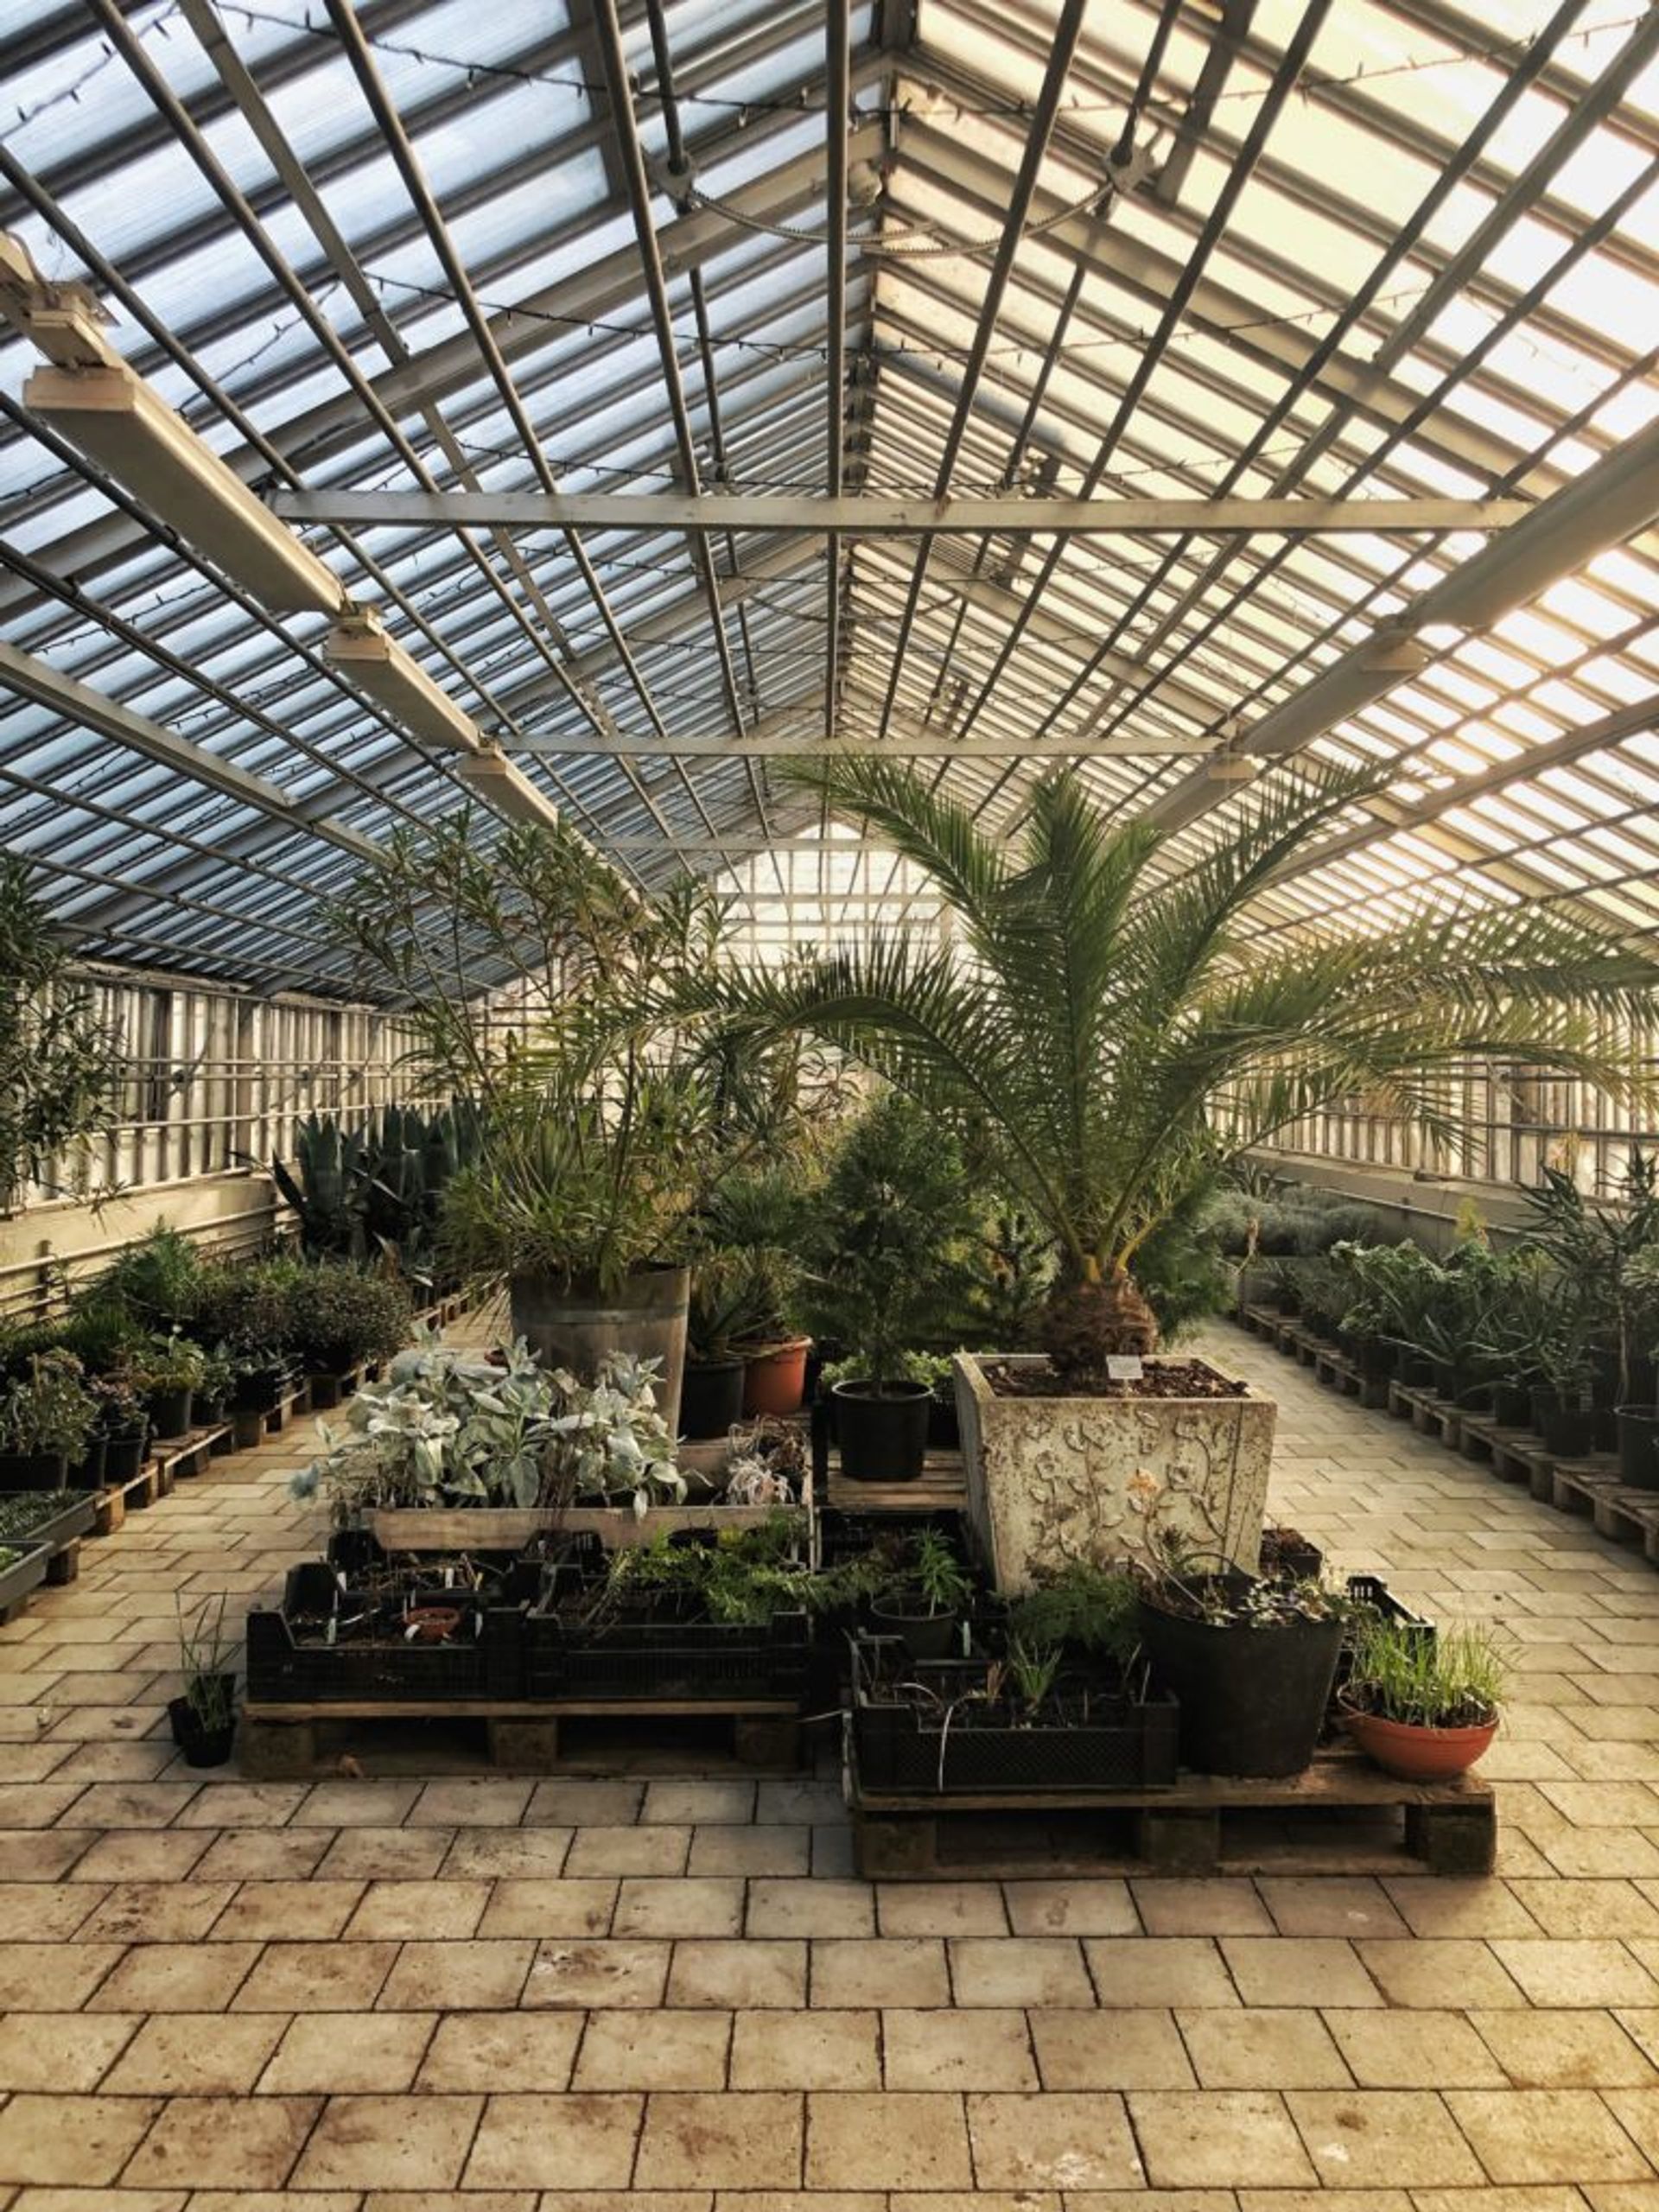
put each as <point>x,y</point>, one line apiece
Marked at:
<point>1124,1367</point>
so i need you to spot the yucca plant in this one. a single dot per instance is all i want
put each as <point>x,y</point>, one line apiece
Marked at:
<point>1109,1026</point>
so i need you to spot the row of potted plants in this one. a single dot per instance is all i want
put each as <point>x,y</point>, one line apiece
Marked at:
<point>164,1341</point>
<point>1558,1332</point>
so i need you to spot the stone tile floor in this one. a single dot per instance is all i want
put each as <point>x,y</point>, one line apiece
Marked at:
<point>412,1990</point>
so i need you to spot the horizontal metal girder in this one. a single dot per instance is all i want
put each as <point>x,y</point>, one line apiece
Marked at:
<point>865,515</point>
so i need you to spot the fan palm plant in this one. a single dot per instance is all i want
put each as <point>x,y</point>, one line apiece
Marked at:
<point>1111,1031</point>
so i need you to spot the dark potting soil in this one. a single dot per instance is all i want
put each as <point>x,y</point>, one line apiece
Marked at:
<point>1164,1378</point>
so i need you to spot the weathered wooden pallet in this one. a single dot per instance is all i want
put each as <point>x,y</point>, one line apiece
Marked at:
<point>117,1500</point>
<point>184,1457</point>
<point>1343,1815</point>
<point>942,1487</point>
<point>280,1740</point>
<point>1596,1486</point>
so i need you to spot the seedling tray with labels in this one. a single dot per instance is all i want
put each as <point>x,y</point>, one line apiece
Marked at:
<point>349,1634</point>
<point>651,1660</point>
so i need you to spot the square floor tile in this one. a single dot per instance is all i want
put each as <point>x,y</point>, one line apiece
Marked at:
<point>1297,1970</point>
<point>957,2050</point>
<point>1277,2047</point>
<point>1212,2139</point>
<point>1414,2051</point>
<point>814,1907</point>
<point>561,2144</point>
<point>222,2142</point>
<point>428,1910</point>
<point>1543,2135</point>
<point>1018,1970</point>
<point>1065,2139</point>
<point>63,2052</point>
<point>736,1976</point>
<point>176,1977</point>
<point>293,1912</point>
<point>685,1907</point>
<point>444,1977</point>
<point>1081,1907</point>
<point>1450,1974</point>
<point>1577,2050</point>
<point>359,2053</point>
<point>607,1852</point>
<point>727,2138</point>
<point>391,2142</point>
<point>195,2054</point>
<point>941,1908</point>
<point>1586,1971</point>
<point>508,1854</point>
<point>567,1972</point>
<point>806,2050</point>
<point>549,1907</point>
<point>852,1973</point>
<point>71,2142</point>
<point>654,2050</point>
<point>1380,2139</point>
<point>1330,1905</point>
<point>316,1977</point>
<point>902,2140</point>
<point>1211,1907</point>
<point>776,1850</point>
<point>1134,2048</point>
<point>496,2051</point>
<point>1160,1971</point>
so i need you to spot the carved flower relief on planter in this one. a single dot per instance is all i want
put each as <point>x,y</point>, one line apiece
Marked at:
<point>1053,1480</point>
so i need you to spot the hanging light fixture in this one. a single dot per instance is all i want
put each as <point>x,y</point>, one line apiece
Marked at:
<point>360,649</point>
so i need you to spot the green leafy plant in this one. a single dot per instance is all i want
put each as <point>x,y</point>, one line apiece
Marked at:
<point>1082,1606</point>
<point>929,1567</point>
<point>59,1060</point>
<point>339,1317</point>
<point>894,1237</point>
<point>1034,1669</point>
<point>171,1362</point>
<point>48,1410</point>
<point>1118,1033</point>
<point>251,1308</point>
<point>157,1281</point>
<point>1455,1680</point>
<point>1599,1246</point>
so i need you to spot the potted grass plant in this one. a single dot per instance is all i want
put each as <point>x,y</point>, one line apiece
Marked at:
<point>203,1716</point>
<point>1424,1709</point>
<point>1114,1032</point>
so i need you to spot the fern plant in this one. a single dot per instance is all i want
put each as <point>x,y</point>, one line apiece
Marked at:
<point>1107,1023</point>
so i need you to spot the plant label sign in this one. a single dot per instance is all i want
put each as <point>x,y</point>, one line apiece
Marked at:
<point>1124,1367</point>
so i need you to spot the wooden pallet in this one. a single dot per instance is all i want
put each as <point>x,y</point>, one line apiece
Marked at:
<point>1514,1455</point>
<point>279,1740</point>
<point>117,1500</point>
<point>1342,1817</point>
<point>1596,1486</point>
<point>182,1458</point>
<point>942,1487</point>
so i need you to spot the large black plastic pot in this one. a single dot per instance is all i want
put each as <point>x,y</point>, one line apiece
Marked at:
<point>33,1471</point>
<point>1639,1446</point>
<point>881,1428</point>
<point>926,1636</point>
<point>711,1396</point>
<point>169,1412</point>
<point>1567,1431</point>
<point>1252,1699</point>
<point>123,1453</point>
<point>257,1389</point>
<point>575,1325</point>
<point>1512,1405</point>
<point>943,1423</point>
<point>87,1473</point>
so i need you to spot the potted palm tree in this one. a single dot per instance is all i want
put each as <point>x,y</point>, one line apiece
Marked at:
<point>1105,1021</point>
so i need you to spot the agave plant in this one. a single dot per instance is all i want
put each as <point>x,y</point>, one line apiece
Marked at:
<point>1106,1020</point>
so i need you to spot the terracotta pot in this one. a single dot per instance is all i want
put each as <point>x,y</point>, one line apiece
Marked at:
<point>1419,1754</point>
<point>431,1624</point>
<point>775,1383</point>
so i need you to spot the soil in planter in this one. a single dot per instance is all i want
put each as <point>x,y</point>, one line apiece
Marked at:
<point>1166,1378</point>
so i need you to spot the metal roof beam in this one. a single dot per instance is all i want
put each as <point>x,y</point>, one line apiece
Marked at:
<point>869,514</point>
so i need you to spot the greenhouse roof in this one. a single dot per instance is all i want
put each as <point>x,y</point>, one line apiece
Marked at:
<point>1209,388</point>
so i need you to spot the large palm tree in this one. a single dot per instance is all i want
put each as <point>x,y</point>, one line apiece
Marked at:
<point>1114,1031</point>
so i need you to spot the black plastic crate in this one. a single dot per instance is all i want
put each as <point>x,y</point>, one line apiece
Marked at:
<point>665,1662</point>
<point>1371,1590</point>
<point>283,1669</point>
<point>1126,1743</point>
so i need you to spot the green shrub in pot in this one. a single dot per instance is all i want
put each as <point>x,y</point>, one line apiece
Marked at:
<point>339,1317</point>
<point>157,1280</point>
<point>48,1415</point>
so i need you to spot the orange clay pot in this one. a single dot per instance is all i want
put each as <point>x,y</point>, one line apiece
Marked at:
<point>775,1383</point>
<point>1420,1754</point>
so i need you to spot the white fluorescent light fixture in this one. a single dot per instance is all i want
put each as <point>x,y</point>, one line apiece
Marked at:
<point>113,416</point>
<point>361,648</point>
<point>507,788</point>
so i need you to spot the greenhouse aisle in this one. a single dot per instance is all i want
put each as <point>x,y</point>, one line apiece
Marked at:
<point>374,1991</point>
